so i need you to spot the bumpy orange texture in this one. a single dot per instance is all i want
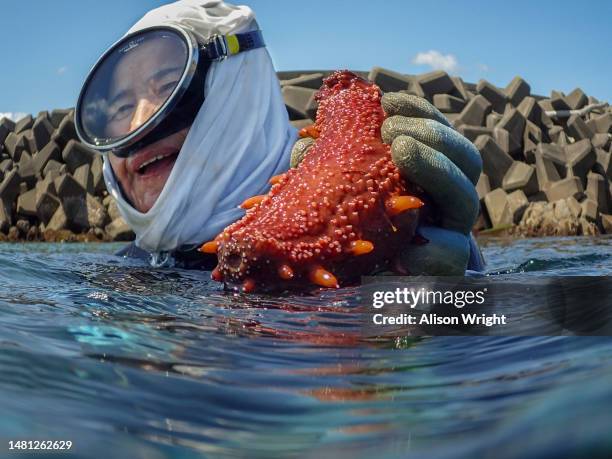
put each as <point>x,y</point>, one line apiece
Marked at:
<point>307,228</point>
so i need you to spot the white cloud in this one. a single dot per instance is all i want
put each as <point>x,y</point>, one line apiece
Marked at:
<point>436,60</point>
<point>15,116</point>
<point>62,70</point>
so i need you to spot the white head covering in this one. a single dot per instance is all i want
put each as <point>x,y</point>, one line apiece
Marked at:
<point>239,139</point>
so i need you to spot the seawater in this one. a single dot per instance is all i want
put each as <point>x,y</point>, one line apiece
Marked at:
<point>128,361</point>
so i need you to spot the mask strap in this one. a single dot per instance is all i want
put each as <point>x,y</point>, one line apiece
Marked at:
<point>222,46</point>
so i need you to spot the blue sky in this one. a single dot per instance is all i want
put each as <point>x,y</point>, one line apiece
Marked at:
<point>47,47</point>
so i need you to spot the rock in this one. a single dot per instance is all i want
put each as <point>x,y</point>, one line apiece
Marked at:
<point>603,165</point>
<point>459,89</point>
<point>556,155</point>
<point>495,162</point>
<point>58,221</point>
<point>580,158</point>
<point>588,228</point>
<point>26,170</point>
<point>561,210</point>
<point>574,207</point>
<point>9,189</point>
<point>23,187</point>
<point>498,209</point>
<point>472,132</point>
<point>13,234</point>
<point>517,90</point>
<point>300,102</point>
<point>601,141</point>
<point>118,230</point>
<point>42,130</point>
<point>602,123</point>
<point>23,226</point>
<point>30,142</point>
<point>597,190</point>
<point>76,154</point>
<point>83,176</point>
<point>577,128</point>
<point>97,217</point>
<point>542,219</point>
<point>557,100</point>
<point>447,103</point>
<point>310,80</point>
<point>482,187</point>
<point>51,167</point>
<point>493,94</point>
<point>576,99</point>
<point>46,206</point>
<point>6,165</point>
<point>5,218</point>
<point>589,210</point>
<point>63,235</point>
<point>97,175</point>
<point>545,105</point>
<point>517,203</point>
<point>532,111</point>
<point>521,176</point>
<point>606,223</point>
<point>554,132</point>
<point>570,186</point>
<point>514,123</point>
<point>33,234</point>
<point>476,111</point>
<point>415,89</point>
<point>532,137</point>
<point>492,120</point>
<point>388,80</point>
<point>91,214</point>
<point>24,123</point>
<point>15,145</point>
<point>6,126</point>
<point>49,152</point>
<point>113,210</point>
<point>57,116</point>
<point>65,132</point>
<point>26,204</point>
<point>67,187</point>
<point>562,139</point>
<point>502,138</point>
<point>546,171</point>
<point>436,82</point>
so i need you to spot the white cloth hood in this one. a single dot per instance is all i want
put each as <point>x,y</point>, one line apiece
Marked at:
<point>240,137</point>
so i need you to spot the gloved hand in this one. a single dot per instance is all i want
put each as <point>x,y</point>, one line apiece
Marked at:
<point>430,153</point>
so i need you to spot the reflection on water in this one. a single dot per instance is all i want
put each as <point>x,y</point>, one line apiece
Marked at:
<point>163,363</point>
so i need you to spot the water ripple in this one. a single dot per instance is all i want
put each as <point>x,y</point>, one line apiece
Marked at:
<point>164,363</point>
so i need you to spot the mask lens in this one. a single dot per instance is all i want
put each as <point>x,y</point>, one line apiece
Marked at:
<point>129,86</point>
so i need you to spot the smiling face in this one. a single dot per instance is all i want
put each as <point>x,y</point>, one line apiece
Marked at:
<point>143,175</point>
<point>141,83</point>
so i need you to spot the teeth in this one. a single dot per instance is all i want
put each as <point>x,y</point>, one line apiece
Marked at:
<point>152,160</point>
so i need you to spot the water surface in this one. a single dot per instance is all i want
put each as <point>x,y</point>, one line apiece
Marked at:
<point>115,356</point>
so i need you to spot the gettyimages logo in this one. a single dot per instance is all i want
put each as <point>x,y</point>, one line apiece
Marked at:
<point>423,297</point>
<point>412,297</point>
<point>487,305</point>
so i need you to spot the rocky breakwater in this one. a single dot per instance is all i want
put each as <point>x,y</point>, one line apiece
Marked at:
<point>547,166</point>
<point>546,160</point>
<point>51,185</point>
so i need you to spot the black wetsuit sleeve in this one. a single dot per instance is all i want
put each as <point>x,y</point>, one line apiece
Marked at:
<point>192,259</point>
<point>132,251</point>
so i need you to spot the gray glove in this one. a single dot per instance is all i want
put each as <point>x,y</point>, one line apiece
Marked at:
<point>430,153</point>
